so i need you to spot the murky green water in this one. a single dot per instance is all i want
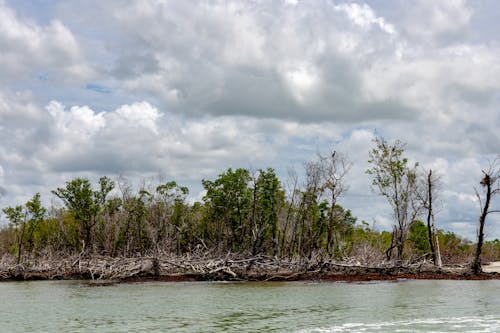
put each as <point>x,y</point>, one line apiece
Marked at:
<point>405,306</point>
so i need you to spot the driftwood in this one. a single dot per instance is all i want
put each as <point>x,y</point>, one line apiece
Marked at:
<point>229,267</point>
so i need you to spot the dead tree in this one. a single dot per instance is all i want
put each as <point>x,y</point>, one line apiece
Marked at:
<point>491,187</point>
<point>333,170</point>
<point>427,196</point>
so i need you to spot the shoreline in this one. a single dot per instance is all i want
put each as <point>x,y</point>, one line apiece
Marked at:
<point>301,277</point>
<point>101,270</point>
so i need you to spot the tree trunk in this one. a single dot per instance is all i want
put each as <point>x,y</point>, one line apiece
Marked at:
<point>430,216</point>
<point>476,266</point>
<point>439,263</point>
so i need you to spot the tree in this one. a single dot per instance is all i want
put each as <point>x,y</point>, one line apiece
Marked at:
<point>311,215</point>
<point>333,169</point>
<point>418,237</point>
<point>25,221</point>
<point>292,192</point>
<point>268,198</point>
<point>394,179</point>
<point>228,200</point>
<point>491,187</point>
<point>84,203</point>
<point>164,208</point>
<point>428,197</point>
<point>16,217</point>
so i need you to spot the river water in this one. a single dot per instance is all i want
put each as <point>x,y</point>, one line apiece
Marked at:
<point>403,306</point>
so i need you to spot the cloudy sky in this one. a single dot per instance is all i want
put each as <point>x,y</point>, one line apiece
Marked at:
<point>186,89</point>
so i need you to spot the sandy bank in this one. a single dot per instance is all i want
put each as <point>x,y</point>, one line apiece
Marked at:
<point>492,267</point>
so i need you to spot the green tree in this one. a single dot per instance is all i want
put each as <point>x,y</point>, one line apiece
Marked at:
<point>85,203</point>
<point>396,180</point>
<point>132,235</point>
<point>25,220</point>
<point>164,208</point>
<point>228,200</point>
<point>268,198</point>
<point>418,236</point>
<point>16,216</point>
<point>342,232</point>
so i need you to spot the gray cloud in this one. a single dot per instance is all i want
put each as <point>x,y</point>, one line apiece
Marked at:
<point>193,88</point>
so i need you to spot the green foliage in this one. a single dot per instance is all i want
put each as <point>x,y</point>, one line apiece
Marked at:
<point>25,221</point>
<point>240,213</point>
<point>454,248</point>
<point>84,202</point>
<point>228,200</point>
<point>15,215</point>
<point>491,250</point>
<point>268,198</point>
<point>368,244</point>
<point>419,239</point>
<point>397,182</point>
<point>343,231</point>
<point>388,165</point>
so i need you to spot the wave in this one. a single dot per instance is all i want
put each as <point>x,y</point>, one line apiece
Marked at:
<point>478,324</point>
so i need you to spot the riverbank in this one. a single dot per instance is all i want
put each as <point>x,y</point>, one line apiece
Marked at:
<point>105,270</point>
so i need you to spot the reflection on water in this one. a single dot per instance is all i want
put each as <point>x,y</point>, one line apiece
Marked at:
<point>406,306</point>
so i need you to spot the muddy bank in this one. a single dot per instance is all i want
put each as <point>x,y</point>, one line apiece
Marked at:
<point>105,270</point>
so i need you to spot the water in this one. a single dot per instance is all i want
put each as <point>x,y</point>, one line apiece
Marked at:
<point>305,307</point>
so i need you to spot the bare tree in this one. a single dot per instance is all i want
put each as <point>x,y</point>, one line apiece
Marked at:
<point>428,195</point>
<point>491,187</point>
<point>333,169</point>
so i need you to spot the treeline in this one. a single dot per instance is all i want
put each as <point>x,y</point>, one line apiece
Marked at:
<point>242,212</point>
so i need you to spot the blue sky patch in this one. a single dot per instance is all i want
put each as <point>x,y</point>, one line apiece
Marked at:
<point>98,88</point>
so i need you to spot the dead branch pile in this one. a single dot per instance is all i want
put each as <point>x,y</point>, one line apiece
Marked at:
<point>204,267</point>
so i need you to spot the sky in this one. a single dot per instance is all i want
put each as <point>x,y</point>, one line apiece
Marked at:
<point>183,90</point>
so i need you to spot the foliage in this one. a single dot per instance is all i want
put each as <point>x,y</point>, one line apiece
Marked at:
<point>243,212</point>
<point>394,179</point>
<point>228,201</point>
<point>25,221</point>
<point>418,237</point>
<point>84,202</point>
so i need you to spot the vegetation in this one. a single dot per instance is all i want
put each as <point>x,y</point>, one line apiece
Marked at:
<point>243,212</point>
<point>394,179</point>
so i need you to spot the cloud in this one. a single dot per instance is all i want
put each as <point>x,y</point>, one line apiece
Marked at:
<point>364,16</point>
<point>227,58</point>
<point>138,137</point>
<point>189,89</point>
<point>28,48</point>
<point>436,21</point>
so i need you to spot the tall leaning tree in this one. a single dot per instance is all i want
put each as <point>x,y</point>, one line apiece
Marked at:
<point>490,185</point>
<point>396,180</point>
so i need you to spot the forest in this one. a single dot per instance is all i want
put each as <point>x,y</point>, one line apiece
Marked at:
<point>251,213</point>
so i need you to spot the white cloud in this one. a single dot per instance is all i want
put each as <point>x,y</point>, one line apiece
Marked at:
<point>140,114</point>
<point>430,20</point>
<point>302,80</point>
<point>191,88</point>
<point>28,48</point>
<point>363,16</point>
<point>80,122</point>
